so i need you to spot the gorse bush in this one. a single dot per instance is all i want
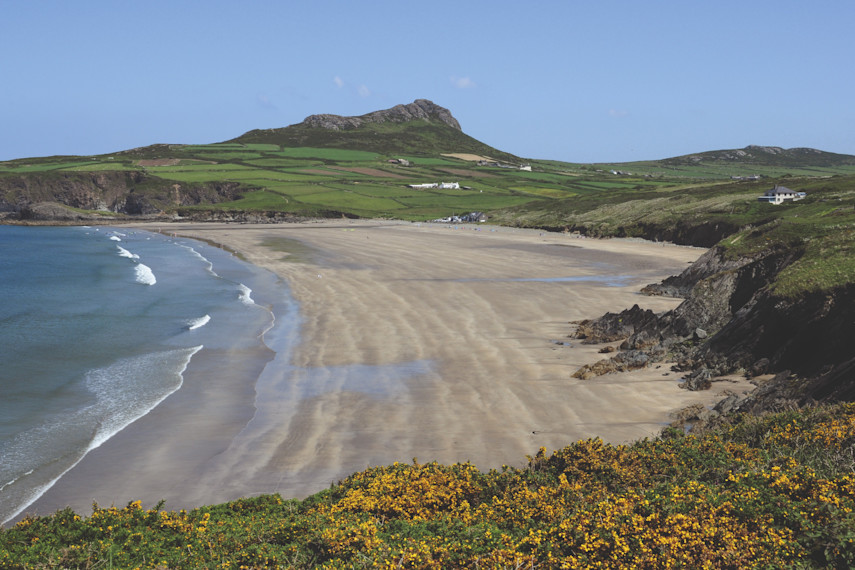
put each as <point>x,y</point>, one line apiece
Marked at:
<point>768,492</point>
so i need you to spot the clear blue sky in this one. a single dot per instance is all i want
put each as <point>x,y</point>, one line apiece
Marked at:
<point>568,80</point>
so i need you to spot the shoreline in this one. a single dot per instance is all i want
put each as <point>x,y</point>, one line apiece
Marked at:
<point>415,340</point>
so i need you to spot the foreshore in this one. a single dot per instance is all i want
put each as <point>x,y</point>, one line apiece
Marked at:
<point>426,341</point>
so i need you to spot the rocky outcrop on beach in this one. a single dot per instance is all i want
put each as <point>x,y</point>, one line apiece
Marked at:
<point>614,326</point>
<point>624,361</point>
<point>418,109</point>
<point>731,322</point>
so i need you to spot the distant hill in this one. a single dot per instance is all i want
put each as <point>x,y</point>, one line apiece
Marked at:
<point>386,163</point>
<point>421,127</point>
<point>765,156</point>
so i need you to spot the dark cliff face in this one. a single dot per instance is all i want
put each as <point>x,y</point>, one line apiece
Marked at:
<point>88,191</point>
<point>807,343</point>
<point>810,336</point>
<point>418,109</point>
<point>130,193</point>
<point>680,232</point>
<point>731,322</point>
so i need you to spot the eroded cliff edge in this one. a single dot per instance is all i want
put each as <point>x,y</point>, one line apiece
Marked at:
<point>733,321</point>
<point>77,196</point>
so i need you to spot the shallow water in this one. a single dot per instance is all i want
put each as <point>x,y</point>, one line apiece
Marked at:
<point>97,326</point>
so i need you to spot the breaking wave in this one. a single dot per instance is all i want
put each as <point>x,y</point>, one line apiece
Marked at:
<point>194,324</point>
<point>144,274</point>
<point>244,294</point>
<point>125,253</point>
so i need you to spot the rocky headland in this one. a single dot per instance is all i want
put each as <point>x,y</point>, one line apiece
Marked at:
<point>797,350</point>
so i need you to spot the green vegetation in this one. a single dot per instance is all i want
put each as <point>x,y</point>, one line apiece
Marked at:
<point>776,491</point>
<point>769,492</point>
<point>817,231</point>
<point>414,138</point>
<point>311,171</point>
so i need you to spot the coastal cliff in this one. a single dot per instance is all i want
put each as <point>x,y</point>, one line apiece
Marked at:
<point>733,321</point>
<point>57,196</point>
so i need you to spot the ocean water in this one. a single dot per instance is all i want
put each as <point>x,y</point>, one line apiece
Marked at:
<point>97,326</point>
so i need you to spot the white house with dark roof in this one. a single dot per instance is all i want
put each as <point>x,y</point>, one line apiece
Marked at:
<point>781,194</point>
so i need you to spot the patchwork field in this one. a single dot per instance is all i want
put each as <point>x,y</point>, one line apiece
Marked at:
<point>365,183</point>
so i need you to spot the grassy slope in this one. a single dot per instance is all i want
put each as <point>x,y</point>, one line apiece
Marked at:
<point>758,493</point>
<point>819,227</point>
<point>419,137</point>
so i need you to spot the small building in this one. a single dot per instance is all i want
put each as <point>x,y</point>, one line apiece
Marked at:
<point>780,194</point>
<point>752,177</point>
<point>463,218</point>
<point>440,185</point>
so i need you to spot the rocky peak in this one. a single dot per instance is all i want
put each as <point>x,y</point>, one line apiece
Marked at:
<point>784,151</point>
<point>766,149</point>
<point>418,109</point>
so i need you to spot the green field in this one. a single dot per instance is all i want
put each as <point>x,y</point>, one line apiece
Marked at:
<point>303,180</point>
<point>333,154</point>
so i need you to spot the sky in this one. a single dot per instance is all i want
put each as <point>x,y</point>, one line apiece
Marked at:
<point>578,81</point>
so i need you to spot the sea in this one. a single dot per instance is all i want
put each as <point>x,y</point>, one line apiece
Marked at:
<point>97,327</point>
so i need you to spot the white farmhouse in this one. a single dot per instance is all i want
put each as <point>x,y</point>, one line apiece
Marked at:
<point>442,185</point>
<point>781,194</point>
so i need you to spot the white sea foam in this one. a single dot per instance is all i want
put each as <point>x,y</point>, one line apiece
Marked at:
<point>144,274</point>
<point>202,258</point>
<point>194,324</point>
<point>244,294</point>
<point>15,480</point>
<point>119,404</point>
<point>125,253</point>
<point>115,238</point>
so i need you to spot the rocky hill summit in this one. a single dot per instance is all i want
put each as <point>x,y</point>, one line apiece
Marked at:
<point>418,109</point>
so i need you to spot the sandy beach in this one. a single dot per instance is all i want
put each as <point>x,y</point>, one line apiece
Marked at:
<point>425,341</point>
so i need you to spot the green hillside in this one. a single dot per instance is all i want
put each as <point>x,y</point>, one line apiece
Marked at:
<point>366,183</point>
<point>331,166</point>
<point>363,166</point>
<point>419,137</point>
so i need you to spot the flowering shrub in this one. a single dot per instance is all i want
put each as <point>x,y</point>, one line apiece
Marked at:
<point>775,491</point>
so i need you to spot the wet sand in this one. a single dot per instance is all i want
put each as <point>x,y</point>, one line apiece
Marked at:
<point>415,341</point>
